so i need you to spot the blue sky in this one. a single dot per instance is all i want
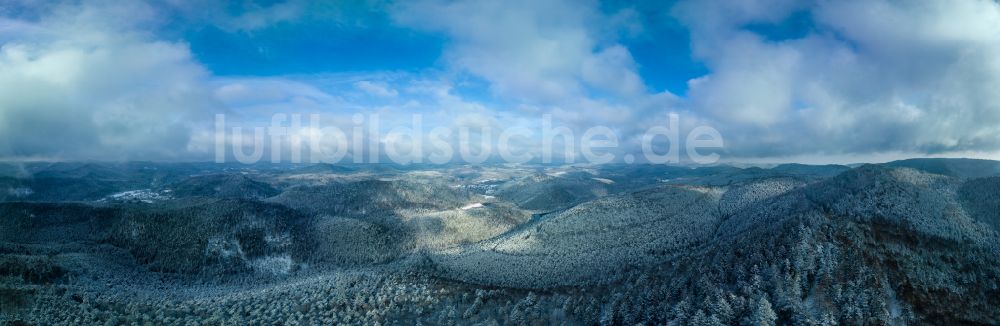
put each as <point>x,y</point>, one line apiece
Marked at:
<point>372,42</point>
<point>314,47</point>
<point>781,80</point>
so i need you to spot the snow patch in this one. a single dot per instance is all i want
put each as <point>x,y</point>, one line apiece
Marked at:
<point>273,265</point>
<point>221,248</point>
<point>471,206</point>
<point>143,195</point>
<point>604,181</point>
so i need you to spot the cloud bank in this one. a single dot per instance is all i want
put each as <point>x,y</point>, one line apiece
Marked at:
<point>866,76</point>
<point>74,84</point>
<point>785,79</point>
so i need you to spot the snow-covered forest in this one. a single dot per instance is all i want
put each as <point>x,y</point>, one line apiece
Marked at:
<point>907,242</point>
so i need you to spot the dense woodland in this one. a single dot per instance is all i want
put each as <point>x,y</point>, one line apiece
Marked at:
<point>907,242</point>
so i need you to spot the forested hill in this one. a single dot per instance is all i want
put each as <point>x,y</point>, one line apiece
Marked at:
<point>906,242</point>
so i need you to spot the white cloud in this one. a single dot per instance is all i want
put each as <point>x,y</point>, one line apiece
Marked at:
<point>870,76</point>
<point>376,88</point>
<point>92,80</point>
<point>562,58</point>
<point>78,87</point>
<point>533,51</point>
